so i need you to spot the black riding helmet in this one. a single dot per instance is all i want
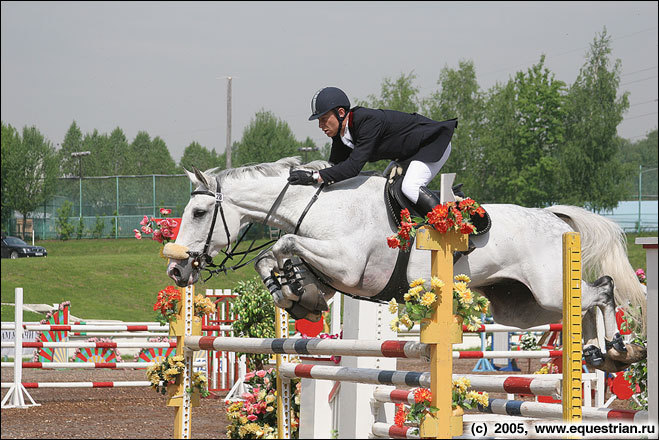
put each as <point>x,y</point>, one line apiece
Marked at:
<point>326,99</point>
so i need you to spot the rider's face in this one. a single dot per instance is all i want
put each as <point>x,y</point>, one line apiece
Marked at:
<point>329,124</point>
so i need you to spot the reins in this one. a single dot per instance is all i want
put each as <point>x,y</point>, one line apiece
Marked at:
<point>229,254</point>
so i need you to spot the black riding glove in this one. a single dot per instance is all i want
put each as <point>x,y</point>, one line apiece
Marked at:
<point>301,177</point>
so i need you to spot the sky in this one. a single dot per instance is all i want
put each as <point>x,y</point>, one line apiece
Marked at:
<point>161,67</point>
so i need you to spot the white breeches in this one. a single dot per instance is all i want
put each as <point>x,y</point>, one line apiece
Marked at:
<point>420,174</point>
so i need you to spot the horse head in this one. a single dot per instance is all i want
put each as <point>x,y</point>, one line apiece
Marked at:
<point>209,223</point>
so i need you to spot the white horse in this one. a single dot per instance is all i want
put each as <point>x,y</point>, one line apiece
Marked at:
<point>517,265</point>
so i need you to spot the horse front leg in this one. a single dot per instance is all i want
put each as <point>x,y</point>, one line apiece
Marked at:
<point>267,268</point>
<point>301,287</point>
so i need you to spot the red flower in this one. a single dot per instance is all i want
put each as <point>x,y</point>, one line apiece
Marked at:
<point>422,395</point>
<point>405,215</point>
<point>401,414</point>
<point>466,228</point>
<point>393,242</point>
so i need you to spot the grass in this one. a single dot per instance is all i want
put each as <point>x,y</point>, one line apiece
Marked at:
<point>103,279</point>
<point>119,279</point>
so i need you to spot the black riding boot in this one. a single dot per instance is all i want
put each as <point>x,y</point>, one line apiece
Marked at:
<point>426,202</point>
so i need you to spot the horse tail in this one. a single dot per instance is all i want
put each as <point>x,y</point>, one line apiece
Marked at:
<point>604,252</point>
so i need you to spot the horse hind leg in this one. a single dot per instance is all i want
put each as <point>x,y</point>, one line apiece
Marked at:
<point>617,355</point>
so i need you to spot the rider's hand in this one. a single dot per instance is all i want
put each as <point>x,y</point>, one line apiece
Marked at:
<point>301,177</point>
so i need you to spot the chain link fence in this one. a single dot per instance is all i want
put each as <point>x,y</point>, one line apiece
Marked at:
<point>108,207</point>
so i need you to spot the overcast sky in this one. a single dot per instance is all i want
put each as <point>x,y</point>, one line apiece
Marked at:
<point>161,67</point>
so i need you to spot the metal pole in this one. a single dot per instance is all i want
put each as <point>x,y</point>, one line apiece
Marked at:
<point>228,147</point>
<point>116,217</point>
<point>640,180</point>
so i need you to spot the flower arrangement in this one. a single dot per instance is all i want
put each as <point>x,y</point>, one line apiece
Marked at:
<point>640,274</point>
<point>162,229</point>
<point>548,368</point>
<point>462,398</point>
<point>419,302</point>
<point>256,415</point>
<point>449,216</point>
<point>467,399</point>
<point>169,299</point>
<point>528,342</point>
<point>166,372</point>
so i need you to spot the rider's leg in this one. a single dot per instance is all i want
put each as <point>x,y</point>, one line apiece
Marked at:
<point>418,175</point>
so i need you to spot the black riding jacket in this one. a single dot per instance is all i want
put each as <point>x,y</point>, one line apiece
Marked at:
<point>386,134</point>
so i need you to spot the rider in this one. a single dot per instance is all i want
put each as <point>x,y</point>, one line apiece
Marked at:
<point>359,135</point>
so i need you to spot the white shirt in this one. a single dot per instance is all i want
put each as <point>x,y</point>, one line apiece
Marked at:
<point>347,138</point>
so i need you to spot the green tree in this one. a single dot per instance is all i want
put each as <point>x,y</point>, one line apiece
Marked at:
<point>31,170</point>
<point>632,156</point>
<point>9,143</point>
<point>63,226</point>
<point>460,97</point>
<point>118,145</point>
<point>399,94</point>
<point>591,174</point>
<point>73,141</point>
<point>198,156</point>
<point>266,139</point>
<point>522,137</point>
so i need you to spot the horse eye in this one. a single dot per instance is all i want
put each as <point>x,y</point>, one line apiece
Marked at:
<point>198,213</point>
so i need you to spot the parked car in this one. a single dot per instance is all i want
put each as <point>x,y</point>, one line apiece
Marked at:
<point>14,247</point>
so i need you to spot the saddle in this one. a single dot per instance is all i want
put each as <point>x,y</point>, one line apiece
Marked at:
<point>395,201</point>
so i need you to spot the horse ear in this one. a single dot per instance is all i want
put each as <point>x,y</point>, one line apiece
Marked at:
<point>200,177</point>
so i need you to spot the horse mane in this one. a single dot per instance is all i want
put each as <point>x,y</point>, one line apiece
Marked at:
<point>268,169</point>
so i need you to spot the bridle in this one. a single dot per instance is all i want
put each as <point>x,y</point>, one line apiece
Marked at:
<point>203,260</point>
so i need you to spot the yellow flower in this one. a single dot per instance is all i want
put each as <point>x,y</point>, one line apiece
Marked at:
<point>466,296</point>
<point>393,306</point>
<point>269,398</point>
<point>171,373</point>
<point>436,283</point>
<point>474,323</point>
<point>462,277</point>
<point>408,297</point>
<point>461,384</point>
<point>460,286</point>
<point>394,325</point>
<point>406,321</point>
<point>428,299</point>
<point>417,282</point>
<point>415,291</point>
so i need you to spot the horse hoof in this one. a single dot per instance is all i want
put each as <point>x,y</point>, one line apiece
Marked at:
<point>593,356</point>
<point>313,317</point>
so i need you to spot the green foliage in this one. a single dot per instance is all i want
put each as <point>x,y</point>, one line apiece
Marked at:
<point>98,228</point>
<point>80,230</point>
<point>632,156</point>
<point>63,227</point>
<point>460,97</point>
<point>265,139</point>
<point>591,173</point>
<point>200,157</point>
<point>256,316</point>
<point>29,164</point>
<point>399,94</point>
